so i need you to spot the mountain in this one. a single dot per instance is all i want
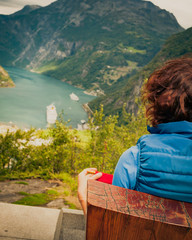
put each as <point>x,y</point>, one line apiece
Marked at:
<point>26,10</point>
<point>5,80</point>
<point>92,44</point>
<point>178,45</point>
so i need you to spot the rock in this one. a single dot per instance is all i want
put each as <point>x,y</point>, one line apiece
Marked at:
<point>57,203</point>
<point>29,223</point>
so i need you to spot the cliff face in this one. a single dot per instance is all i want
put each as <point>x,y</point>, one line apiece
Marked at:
<point>5,80</point>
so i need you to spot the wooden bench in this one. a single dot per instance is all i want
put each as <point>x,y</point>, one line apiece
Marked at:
<point>118,213</point>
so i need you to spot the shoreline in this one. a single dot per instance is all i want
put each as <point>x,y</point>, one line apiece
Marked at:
<point>92,93</point>
<point>87,92</point>
<point>87,109</point>
<point>11,127</point>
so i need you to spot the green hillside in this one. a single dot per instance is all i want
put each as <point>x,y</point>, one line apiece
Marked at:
<point>177,45</point>
<point>90,44</point>
<point>5,80</point>
<point>115,42</point>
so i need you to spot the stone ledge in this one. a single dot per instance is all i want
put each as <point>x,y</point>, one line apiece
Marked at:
<point>29,223</point>
<point>73,219</point>
<point>73,225</point>
<point>72,234</point>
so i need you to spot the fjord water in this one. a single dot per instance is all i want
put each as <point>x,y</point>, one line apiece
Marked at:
<point>25,105</point>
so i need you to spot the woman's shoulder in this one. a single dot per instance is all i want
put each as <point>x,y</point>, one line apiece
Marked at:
<point>126,169</point>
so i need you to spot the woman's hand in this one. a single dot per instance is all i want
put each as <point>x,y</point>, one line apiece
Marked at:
<point>88,173</point>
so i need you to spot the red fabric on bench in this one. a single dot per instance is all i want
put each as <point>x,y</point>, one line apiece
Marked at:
<point>105,178</point>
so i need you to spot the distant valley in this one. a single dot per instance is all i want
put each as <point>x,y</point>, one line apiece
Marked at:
<point>96,45</point>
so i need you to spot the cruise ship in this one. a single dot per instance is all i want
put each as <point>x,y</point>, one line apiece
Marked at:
<point>51,114</point>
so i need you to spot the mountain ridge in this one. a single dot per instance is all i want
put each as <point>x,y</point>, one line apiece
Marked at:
<point>26,9</point>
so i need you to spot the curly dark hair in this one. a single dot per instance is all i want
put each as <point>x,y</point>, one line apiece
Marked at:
<point>168,93</point>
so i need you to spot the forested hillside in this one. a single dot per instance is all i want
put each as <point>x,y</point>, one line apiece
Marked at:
<point>178,45</point>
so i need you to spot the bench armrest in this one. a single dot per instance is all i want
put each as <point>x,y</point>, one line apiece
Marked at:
<point>119,213</point>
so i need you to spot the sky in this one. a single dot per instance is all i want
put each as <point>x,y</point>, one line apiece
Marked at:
<point>182,9</point>
<point>11,6</point>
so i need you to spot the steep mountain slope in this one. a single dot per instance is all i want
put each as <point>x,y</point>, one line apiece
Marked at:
<point>178,45</point>
<point>5,80</point>
<point>92,44</point>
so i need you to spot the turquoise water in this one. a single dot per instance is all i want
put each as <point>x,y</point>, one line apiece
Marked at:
<point>25,105</point>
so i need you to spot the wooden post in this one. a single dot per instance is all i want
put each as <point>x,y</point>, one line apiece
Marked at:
<point>118,213</point>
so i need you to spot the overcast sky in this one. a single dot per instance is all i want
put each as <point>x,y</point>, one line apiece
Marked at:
<point>11,6</point>
<point>182,9</point>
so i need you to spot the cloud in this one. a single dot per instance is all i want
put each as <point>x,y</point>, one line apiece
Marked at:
<point>19,3</point>
<point>8,3</point>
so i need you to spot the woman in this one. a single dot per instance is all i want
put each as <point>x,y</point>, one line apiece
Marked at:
<point>161,162</point>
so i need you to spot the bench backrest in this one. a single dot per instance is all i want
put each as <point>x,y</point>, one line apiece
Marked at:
<point>118,213</point>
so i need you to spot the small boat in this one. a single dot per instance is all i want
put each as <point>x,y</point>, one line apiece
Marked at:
<point>74,97</point>
<point>83,121</point>
<point>51,114</point>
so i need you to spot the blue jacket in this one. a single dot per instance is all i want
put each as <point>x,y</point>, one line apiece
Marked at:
<point>165,162</point>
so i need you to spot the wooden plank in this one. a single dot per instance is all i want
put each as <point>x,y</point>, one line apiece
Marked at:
<point>118,213</point>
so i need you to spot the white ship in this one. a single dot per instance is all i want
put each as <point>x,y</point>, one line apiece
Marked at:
<point>51,114</point>
<point>74,97</point>
<point>83,125</point>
